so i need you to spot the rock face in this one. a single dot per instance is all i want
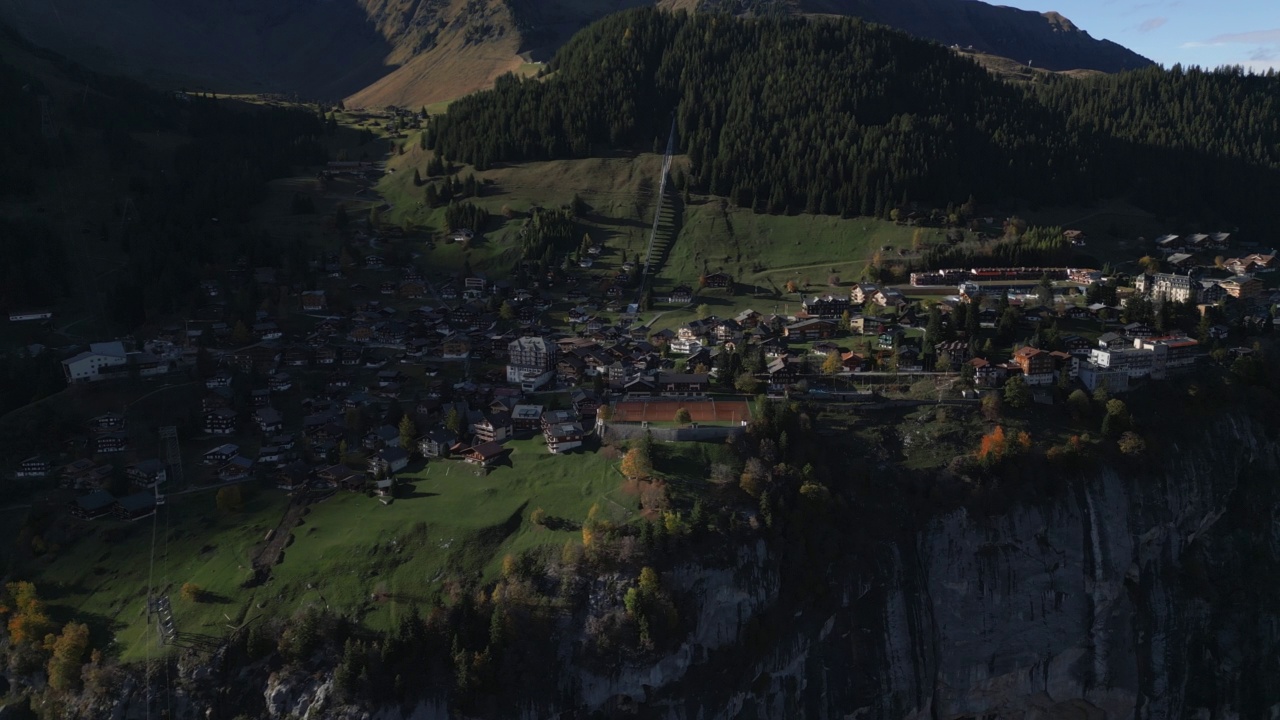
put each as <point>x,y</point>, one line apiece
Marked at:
<point>1103,604</point>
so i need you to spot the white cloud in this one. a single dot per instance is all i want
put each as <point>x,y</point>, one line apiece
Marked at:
<point>1254,37</point>
<point>1154,23</point>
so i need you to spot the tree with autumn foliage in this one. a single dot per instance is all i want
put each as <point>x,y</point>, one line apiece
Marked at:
<point>28,621</point>
<point>996,445</point>
<point>68,656</point>
<point>637,464</point>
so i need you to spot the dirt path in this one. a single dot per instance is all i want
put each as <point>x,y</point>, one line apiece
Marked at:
<point>273,552</point>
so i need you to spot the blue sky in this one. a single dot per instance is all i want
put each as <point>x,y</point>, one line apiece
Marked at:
<point>1193,32</point>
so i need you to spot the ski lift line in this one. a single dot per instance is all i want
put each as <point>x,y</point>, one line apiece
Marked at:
<point>657,213</point>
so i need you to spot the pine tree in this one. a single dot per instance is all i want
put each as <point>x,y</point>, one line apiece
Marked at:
<point>408,432</point>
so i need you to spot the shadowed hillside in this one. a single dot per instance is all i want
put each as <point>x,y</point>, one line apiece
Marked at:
<point>418,52</point>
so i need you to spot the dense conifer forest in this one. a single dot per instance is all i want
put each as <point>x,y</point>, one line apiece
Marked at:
<point>844,117</point>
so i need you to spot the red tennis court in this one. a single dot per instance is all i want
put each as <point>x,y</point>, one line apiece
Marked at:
<point>700,410</point>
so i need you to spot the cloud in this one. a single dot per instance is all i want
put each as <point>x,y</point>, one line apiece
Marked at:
<point>1154,23</point>
<point>1264,55</point>
<point>1255,37</point>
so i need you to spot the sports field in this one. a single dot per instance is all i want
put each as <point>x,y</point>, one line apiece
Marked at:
<point>722,412</point>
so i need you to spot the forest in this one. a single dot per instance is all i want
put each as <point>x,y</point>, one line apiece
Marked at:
<point>843,117</point>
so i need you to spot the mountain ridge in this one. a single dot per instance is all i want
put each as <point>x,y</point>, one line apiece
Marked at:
<point>418,52</point>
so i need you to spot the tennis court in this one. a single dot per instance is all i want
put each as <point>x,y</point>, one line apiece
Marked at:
<point>701,410</point>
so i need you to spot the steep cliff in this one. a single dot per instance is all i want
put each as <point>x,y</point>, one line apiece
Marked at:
<point>1144,595</point>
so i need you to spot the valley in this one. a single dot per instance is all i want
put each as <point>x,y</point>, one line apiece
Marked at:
<point>943,398</point>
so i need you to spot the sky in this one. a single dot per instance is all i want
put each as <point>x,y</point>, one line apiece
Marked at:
<point>1192,32</point>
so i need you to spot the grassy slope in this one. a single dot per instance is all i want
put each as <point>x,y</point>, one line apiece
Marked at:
<point>766,250</point>
<point>351,553</point>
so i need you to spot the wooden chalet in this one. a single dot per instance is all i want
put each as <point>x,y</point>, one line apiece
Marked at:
<point>135,507</point>
<point>484,454</point>
<point>93,505</point>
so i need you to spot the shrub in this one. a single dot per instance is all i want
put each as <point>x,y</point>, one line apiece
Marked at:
<point>192,592</point>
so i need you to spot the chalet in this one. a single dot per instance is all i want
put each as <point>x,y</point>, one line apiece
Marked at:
<point>956,351</point>
<point>280,382</point>
<point>135,507</point>
<point>1170,243</point>
<point>147,474</point>
<point>437,443</point>
<point>585,402</point>
<point>485,454</point>
<point>684,345</point>
<point>238,467</point>
<point>1076,345</point>
<point>728,330</point>
<point>388,461</point>
<point>986,373</point>
<point>110,443</point>
<point>891,338</point>
<point>108,422</point>
<point>361,333</point>
<point>563,437</point>
<point>811,329</point>
<point>860,293</point>
<point>782,371</point>
<point>220,379</point>
<point>455,348</point>
<point>293,477</point>
<point>570,369</point>
<point>373,262</point>
<point>269,420</point>
<point>385,436</point>
<point>1242,287</point>
<point>390,377</point>
<point>748,318</point>
<point>390,333</point>
<point>1112,340</point>
<point>889,297</point>
<point>495,427</point>
<point>717,280</point>
<point>1075,312</point>
<point>314,301</point>
<point>526,417</point>
<point>297,357</point>
<point>669,384</point>
<point>908,359</point>
<point>93,505</point>
<point>341,476</point>
<point>1037,365</point>
<point>386,487</point>
<point>827,306</point>
<point>1138,330</point>
<point>273,455</point>
<point>220,455</point>
<point>267,331</point>
<point>680,295</point>
<point>34,467</point>
<point>852,362</point>
<point>72,472</point>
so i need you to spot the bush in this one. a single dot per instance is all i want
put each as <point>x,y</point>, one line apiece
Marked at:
<point>230,499</point>
<point>192,592</point>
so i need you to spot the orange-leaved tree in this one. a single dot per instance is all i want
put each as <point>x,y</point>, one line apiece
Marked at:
<point>28,621</point>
